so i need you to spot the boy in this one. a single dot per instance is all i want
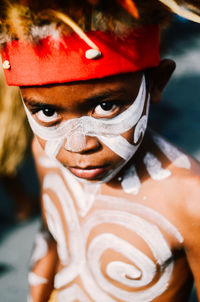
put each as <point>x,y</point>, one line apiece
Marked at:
<point>120,204</point>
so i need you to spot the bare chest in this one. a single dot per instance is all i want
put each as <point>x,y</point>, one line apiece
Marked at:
<point>110,248</point>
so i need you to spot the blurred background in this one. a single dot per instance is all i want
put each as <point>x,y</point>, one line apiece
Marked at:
<point>177,117</point>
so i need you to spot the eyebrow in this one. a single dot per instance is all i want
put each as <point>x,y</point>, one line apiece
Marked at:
<point>36,104</point>
<point>92,99</point>
<point>104,95</point>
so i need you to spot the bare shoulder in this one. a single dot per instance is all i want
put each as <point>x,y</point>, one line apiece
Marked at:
<point>181,165</point>
<point>184,184</point>
<point>178,177</point>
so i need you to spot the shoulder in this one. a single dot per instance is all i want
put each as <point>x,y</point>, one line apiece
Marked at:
<point>178,177</point>
<point>183,189</point>
<point>181,165</point>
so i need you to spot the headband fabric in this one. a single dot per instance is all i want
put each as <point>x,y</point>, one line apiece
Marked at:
<point>63,59</point>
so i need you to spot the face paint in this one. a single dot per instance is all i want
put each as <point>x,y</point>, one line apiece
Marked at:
<point>72,134</point>
<point>108,131</point>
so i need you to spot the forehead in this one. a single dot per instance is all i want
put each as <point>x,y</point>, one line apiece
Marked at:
<point>79,91</point>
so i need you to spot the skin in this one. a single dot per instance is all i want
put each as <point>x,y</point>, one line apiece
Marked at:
<point>177,198</point>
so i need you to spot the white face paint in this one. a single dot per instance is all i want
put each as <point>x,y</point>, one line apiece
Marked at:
<point>72,133</point>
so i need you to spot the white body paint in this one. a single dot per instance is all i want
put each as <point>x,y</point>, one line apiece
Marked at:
<point>46,162</point>
<point>41,247</point>
<point>35,280</point>
<point>71,294</point>
<point>55,227</point>
<point>154,167</point>
<point>178,158</point>
<point>85,257</point>
<point>29,299</point>
<point>131,182</point>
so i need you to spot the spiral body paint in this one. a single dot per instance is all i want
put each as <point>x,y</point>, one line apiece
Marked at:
<point>85,255</point>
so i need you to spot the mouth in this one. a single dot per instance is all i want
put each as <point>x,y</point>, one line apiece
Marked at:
<point>89,173</point>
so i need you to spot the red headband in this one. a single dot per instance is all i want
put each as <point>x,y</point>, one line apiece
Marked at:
<point>64,59</point>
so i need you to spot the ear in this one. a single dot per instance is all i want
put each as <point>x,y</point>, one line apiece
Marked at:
<point>159,78</point>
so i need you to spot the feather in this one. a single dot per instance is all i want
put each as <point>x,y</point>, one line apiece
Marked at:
<point>130,6</point>
<point>18,20</point>
<point>182,10</point>
<point>41,32</point>
<point>73,25</point>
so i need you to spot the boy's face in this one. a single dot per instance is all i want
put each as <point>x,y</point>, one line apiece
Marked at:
<point>89,156</point>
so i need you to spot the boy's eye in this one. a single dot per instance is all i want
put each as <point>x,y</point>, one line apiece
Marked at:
<point>106,109</point>
<point>47,115</point>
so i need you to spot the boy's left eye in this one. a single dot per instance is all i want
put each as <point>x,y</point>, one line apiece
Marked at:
<point>105,109</point>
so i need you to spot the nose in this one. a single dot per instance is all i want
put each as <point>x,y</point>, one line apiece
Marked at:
<point>80,143</point>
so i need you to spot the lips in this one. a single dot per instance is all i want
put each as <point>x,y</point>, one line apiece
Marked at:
<point>89,173</point>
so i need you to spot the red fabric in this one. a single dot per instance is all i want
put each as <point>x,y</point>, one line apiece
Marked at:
<point>63,60</point>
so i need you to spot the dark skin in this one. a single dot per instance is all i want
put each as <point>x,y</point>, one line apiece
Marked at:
<point>176,198</point>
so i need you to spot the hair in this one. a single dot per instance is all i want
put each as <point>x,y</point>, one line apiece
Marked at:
<point>33,19</point>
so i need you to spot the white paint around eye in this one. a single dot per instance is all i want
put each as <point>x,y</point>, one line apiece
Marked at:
<point>40,247</point>
<point>107,130</point>
<point>154,167</point>
<point>92,126</point>
<point>178,158</point>
<point>131,183</point>
<point>35,280</point>
<point>73,293</point>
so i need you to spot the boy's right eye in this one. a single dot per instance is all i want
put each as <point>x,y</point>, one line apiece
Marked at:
<point>47,115</point>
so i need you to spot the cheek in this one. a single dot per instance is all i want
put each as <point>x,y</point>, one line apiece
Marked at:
<point>129,135</point>
<point>42,142</point>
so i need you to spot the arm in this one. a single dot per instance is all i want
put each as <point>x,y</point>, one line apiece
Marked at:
<point>44,257</point>
<point>191,230</point>
<point>43,266</point>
